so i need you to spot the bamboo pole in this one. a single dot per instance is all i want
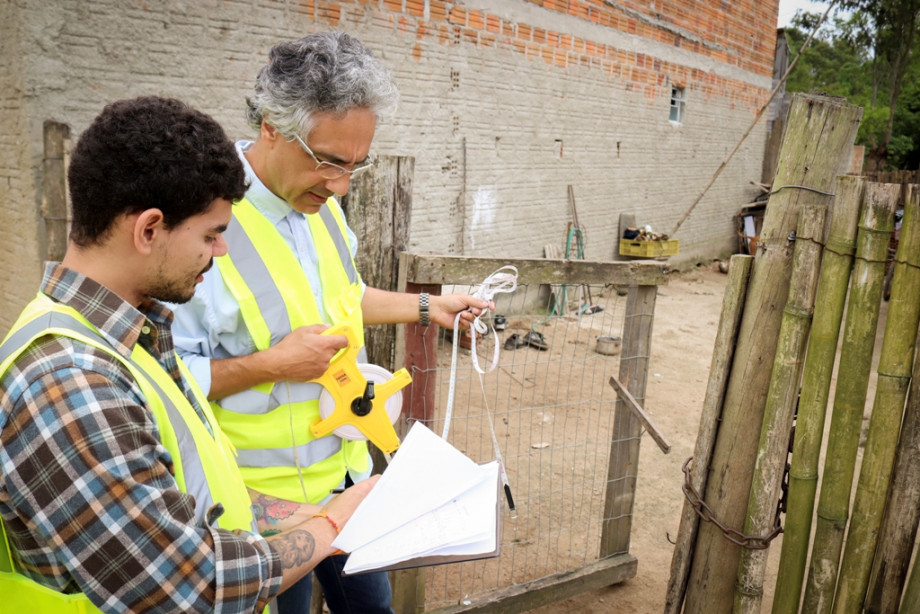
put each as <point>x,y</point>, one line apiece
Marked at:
<point>910,453</point>
<point>850,394</point>
<point>894,369</point>
<point>816,383</point>
<point>817,145</point>
<point>739,271</point>
<point>779,412</point>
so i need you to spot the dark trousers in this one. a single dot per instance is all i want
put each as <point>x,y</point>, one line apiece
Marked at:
<point>368,593</point>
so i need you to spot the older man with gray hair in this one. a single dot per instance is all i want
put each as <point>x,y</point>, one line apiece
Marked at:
<point>252,333</point>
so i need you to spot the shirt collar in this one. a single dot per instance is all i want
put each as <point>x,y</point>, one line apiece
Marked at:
<point>118,321</point>
<point>272,206</point>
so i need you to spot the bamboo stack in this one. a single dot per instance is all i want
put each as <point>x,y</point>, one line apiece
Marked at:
<point>876,225</point>
<point>819,136</point>
<point>902,512</point>
<point>894,368</point>
<point>859,563</point>
<point>907,477</point>
<point>816,384</point>
<point>780,409</point>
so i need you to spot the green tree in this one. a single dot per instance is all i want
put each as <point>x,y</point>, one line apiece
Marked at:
<point>895,38</point>
<point>871,58</point>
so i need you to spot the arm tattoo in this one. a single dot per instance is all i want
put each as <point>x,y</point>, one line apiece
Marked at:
<point>271,509</point>
<point>294,548</point>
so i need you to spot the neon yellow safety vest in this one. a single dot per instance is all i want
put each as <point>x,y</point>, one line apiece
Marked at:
<point>270,424</point>
<point>204,464</point>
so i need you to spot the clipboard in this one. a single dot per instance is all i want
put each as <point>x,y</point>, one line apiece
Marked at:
<point>442,559</point>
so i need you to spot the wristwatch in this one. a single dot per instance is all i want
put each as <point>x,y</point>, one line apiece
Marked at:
<point>423,314</point>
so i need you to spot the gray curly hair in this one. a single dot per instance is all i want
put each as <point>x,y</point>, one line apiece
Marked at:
<point>329,72</point>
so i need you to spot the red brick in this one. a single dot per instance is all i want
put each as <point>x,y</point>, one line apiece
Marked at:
<point>476,20</point>
<point>437,10</point>
<point>457,15</point>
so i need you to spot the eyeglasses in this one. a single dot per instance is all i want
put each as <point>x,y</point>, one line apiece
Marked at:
<point>329,170</point>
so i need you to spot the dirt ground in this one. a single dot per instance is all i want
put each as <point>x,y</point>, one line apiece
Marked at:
<point>683,335</point>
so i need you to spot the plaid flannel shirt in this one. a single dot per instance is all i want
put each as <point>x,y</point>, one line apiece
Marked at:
<point>87,491</point>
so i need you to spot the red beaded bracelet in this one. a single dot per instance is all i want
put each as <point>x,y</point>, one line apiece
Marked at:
<point>323,514</point>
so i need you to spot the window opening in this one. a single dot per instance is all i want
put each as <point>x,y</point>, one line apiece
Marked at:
<point>678,102</point>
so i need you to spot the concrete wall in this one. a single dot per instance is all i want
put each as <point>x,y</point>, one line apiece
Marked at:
<point>504,104</point>
<point>19,235</point>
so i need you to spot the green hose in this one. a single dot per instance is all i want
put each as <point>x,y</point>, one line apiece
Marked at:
<point>558,308</point>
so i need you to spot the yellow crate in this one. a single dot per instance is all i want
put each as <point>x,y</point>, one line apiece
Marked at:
<point>649,249</point>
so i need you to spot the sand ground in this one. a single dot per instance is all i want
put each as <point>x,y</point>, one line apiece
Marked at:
<point>683,335</point>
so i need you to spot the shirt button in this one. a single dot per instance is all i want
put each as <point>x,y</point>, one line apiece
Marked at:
<point>145,329</point>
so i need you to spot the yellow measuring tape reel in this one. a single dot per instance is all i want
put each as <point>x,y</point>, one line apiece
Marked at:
<point>359,401</point>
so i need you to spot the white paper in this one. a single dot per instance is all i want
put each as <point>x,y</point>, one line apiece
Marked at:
<point>463,525</point>
<point>425,473</point>
<point>430,500</point>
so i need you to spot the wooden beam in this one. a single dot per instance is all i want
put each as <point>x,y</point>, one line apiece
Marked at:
<point>726,337</point>
<point>431,269</point>
<point>644,418</point>
<point>530,595</point>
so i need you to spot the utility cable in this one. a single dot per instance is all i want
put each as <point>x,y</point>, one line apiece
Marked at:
<point>756,119</point>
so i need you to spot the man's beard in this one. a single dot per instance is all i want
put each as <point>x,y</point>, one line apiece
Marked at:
<point>171,291</point>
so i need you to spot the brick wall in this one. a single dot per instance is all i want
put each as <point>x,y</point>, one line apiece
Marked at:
<point>504,103</point>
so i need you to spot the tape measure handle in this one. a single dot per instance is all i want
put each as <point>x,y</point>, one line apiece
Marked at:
<point>349,333</point>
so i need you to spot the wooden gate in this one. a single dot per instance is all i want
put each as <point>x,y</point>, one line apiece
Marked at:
<point>569,445</point>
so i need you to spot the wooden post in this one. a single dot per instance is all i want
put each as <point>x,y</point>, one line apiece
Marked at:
<point>816,383</point>
<point>818,140</point>
<point>902,512</point>
<point>774,140</point>
<point>779,412</point>
<point>627,428</point>
<point>378,208</point>
<point>894,369</point>
<point>54,189</point>
<point>875,226</point>
<point>739,272</point>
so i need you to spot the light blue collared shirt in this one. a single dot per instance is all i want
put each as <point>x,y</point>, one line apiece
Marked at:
<point>210,325</point>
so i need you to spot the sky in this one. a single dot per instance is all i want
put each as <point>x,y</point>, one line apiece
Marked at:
<point>787,9</point>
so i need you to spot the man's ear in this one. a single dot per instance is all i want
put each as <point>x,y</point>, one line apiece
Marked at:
<point>267,132</point>
<point>149,226</point>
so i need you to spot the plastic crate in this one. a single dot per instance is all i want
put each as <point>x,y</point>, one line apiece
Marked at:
<point>649,249</point>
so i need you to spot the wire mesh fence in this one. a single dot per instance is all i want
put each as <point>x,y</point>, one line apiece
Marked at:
<point>548,410</point>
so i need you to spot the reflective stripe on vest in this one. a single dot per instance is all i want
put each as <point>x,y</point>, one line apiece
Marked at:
<point>269,424</point>
<point>188,463</point>
<point>202,456</point>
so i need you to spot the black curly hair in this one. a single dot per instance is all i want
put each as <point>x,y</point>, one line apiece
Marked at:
<point>146,153</point>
